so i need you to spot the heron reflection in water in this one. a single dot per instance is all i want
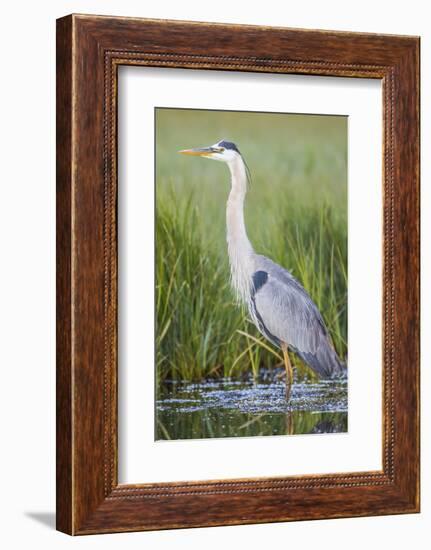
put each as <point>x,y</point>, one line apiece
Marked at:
<point>278,304</point>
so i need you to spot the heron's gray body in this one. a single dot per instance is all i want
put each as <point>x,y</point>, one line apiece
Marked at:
<point>284,313</point>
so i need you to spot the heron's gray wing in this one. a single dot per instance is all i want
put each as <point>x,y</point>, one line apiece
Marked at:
<point>287,313</point>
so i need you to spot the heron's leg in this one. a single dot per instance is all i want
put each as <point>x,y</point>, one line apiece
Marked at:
<point>290,427</point>
<point>289,370</point>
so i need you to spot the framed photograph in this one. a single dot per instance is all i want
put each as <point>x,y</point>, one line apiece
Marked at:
<point>237,341</point>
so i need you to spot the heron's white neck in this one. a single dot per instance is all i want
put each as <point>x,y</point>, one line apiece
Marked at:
<point>239,247</point>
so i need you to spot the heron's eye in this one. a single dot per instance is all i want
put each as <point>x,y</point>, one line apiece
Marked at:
<point>218,149</point>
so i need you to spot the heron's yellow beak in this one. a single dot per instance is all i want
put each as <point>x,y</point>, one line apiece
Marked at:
<point>199,152</point>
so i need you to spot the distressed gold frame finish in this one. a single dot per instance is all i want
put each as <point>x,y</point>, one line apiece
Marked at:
<point>90,50</point>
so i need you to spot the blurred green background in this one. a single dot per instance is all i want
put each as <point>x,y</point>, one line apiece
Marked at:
<point>296,213</point>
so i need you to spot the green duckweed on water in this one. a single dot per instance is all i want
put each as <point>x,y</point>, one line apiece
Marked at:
<point>244,408</point>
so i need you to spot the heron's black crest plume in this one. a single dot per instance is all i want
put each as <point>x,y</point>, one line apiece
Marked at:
<point>230,145</point>
<point>247,169</point>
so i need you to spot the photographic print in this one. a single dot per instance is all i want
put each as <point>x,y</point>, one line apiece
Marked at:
<point>251,274</point>
<point>213,348</point>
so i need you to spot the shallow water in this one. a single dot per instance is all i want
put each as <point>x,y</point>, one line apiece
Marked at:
<point>232,408</point>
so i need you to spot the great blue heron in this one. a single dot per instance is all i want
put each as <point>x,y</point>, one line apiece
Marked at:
<point>280,307</point>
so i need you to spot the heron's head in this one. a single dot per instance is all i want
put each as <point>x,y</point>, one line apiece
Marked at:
<point>225,151</point>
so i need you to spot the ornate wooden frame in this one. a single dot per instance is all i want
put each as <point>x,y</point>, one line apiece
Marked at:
<point>89,51</point>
